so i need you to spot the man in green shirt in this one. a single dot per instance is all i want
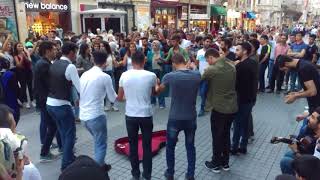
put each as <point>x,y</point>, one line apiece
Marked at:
<point>175,42</point>
<point>222,101</point>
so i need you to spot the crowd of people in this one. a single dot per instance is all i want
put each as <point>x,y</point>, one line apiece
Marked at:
<point>78,78</point>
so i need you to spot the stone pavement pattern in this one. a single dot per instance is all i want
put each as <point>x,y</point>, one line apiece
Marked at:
<point>271,117</point>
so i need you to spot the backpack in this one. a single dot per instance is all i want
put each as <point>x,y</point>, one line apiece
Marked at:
<point>7,157</point>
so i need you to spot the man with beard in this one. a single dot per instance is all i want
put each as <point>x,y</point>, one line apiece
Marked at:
<point>201,60</point>
<point>246,87</point>
<point>225,46</point>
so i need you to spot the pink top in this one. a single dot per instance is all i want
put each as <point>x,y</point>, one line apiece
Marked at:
<point>281,50</point>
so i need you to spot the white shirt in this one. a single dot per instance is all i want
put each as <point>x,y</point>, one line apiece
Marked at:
<point>129,63</point>
<point>137,86</point>
<point>30,172</point>
<point>71,75</point>
<point>7,135</point>
<point>203,64</point>
<point>94,86</point>
<point>110,63</point>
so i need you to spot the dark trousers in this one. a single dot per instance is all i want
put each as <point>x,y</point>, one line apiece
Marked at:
<point>146,125</point>
<point>240,128</point>
<point>50,131</point>
<point>25,80</point>
<point>250,126</point>
<point>262,70</point>
<point>278,76</point>
<point>220,129</point>
<point>173,128</point>
<point>44,127</point>
<point>65,120</point>
<point>203,93</point>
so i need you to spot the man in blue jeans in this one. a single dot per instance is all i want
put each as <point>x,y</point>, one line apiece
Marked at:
<point>183,114</point>
<point>137,86</point>
<point>201,60</point>
<point>94,86</point>
<point>297,51</point>
<point>62,76</point>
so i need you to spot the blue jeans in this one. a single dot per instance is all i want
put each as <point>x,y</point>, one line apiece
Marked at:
<point>262,70</point>
<point>161,98</point>
<point>44,127</point>
<point>270,69</point>
<point>293,78</point>
<point>64,118</point>
<point>173,129</point>
<point>240,129</point>
<point>146,125</point>
<point>97,127</point>
<point>203,93</point>
<point>286,163</point>
<point>48,130</point>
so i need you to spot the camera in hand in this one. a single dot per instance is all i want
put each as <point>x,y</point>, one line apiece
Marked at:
<point>303,143</point>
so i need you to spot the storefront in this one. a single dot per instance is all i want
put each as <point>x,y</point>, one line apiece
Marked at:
<point>8,21</point>
<point>104,19</point>
<point>45,15</point>
<point>164,13</point>
<point>233,18</point>
<point>199,17</point>
<point>249,22</point>
<point>218,16</point>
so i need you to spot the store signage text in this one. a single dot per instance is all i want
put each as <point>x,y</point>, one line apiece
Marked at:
<point>5,11</point>
<point>45,6</point>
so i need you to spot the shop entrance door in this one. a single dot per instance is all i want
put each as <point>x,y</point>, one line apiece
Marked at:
<point>93,24</point>
<point>114,24</point>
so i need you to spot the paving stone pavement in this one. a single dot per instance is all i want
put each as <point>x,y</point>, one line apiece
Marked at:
<point>271,117</point>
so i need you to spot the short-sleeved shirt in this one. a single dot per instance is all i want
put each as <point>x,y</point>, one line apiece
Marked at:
<point>183,52</point>
<point>203,64</point>
<point>307,71</point>
<point>310,51</point>
<point>264,50</point>
<point>297,48</point>
<point>137,86</point>
<point>184,86</point>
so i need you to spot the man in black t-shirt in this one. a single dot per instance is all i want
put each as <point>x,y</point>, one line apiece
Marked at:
<point>309,79</point>
<point>263,61</point>
<point>225,45</point>
<point>312,50</point>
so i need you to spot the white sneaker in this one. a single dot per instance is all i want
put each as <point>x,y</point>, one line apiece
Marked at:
<point>27,105</point>
<point>107,108</point>
<point>34,104</point>
<point>114,108</point>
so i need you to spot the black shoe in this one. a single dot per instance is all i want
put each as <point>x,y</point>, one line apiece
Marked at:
<point>211,166</point>
<point>243,150</point>
<point>234,152</point>
<point>189,177</point>
<point>269,91</point>
<point>168,177</point>
<point>226,167</point>
<point>106,167</point>
<point>261,90</point>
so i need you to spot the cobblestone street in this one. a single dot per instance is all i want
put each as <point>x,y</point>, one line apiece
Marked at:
<point>272,117</point>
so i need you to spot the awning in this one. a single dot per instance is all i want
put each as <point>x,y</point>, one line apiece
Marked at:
<point>103,11</point>
<point>218,10</point>
<point>251,15</point>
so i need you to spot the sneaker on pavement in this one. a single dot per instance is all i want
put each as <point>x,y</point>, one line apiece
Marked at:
<point>269,91</point>
<point>201,113</point>
<point>54,146</point>
<point>162,107</point>
<point>34,104</point>
<point>211,166</point>
<point>234,152</point>
<point>106,167</point>
<point>27,105</point>
<point>78,121</point>
<point>107,108</point>
<point>48,158</point>
<point>114,108</point>
<point>226,167</point>
<point>243,150</point>
<point>168,177</point>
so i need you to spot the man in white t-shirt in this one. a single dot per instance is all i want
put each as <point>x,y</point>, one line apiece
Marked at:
<point>207,41</point>
<point>94,86</point>
<point>137,85</point>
